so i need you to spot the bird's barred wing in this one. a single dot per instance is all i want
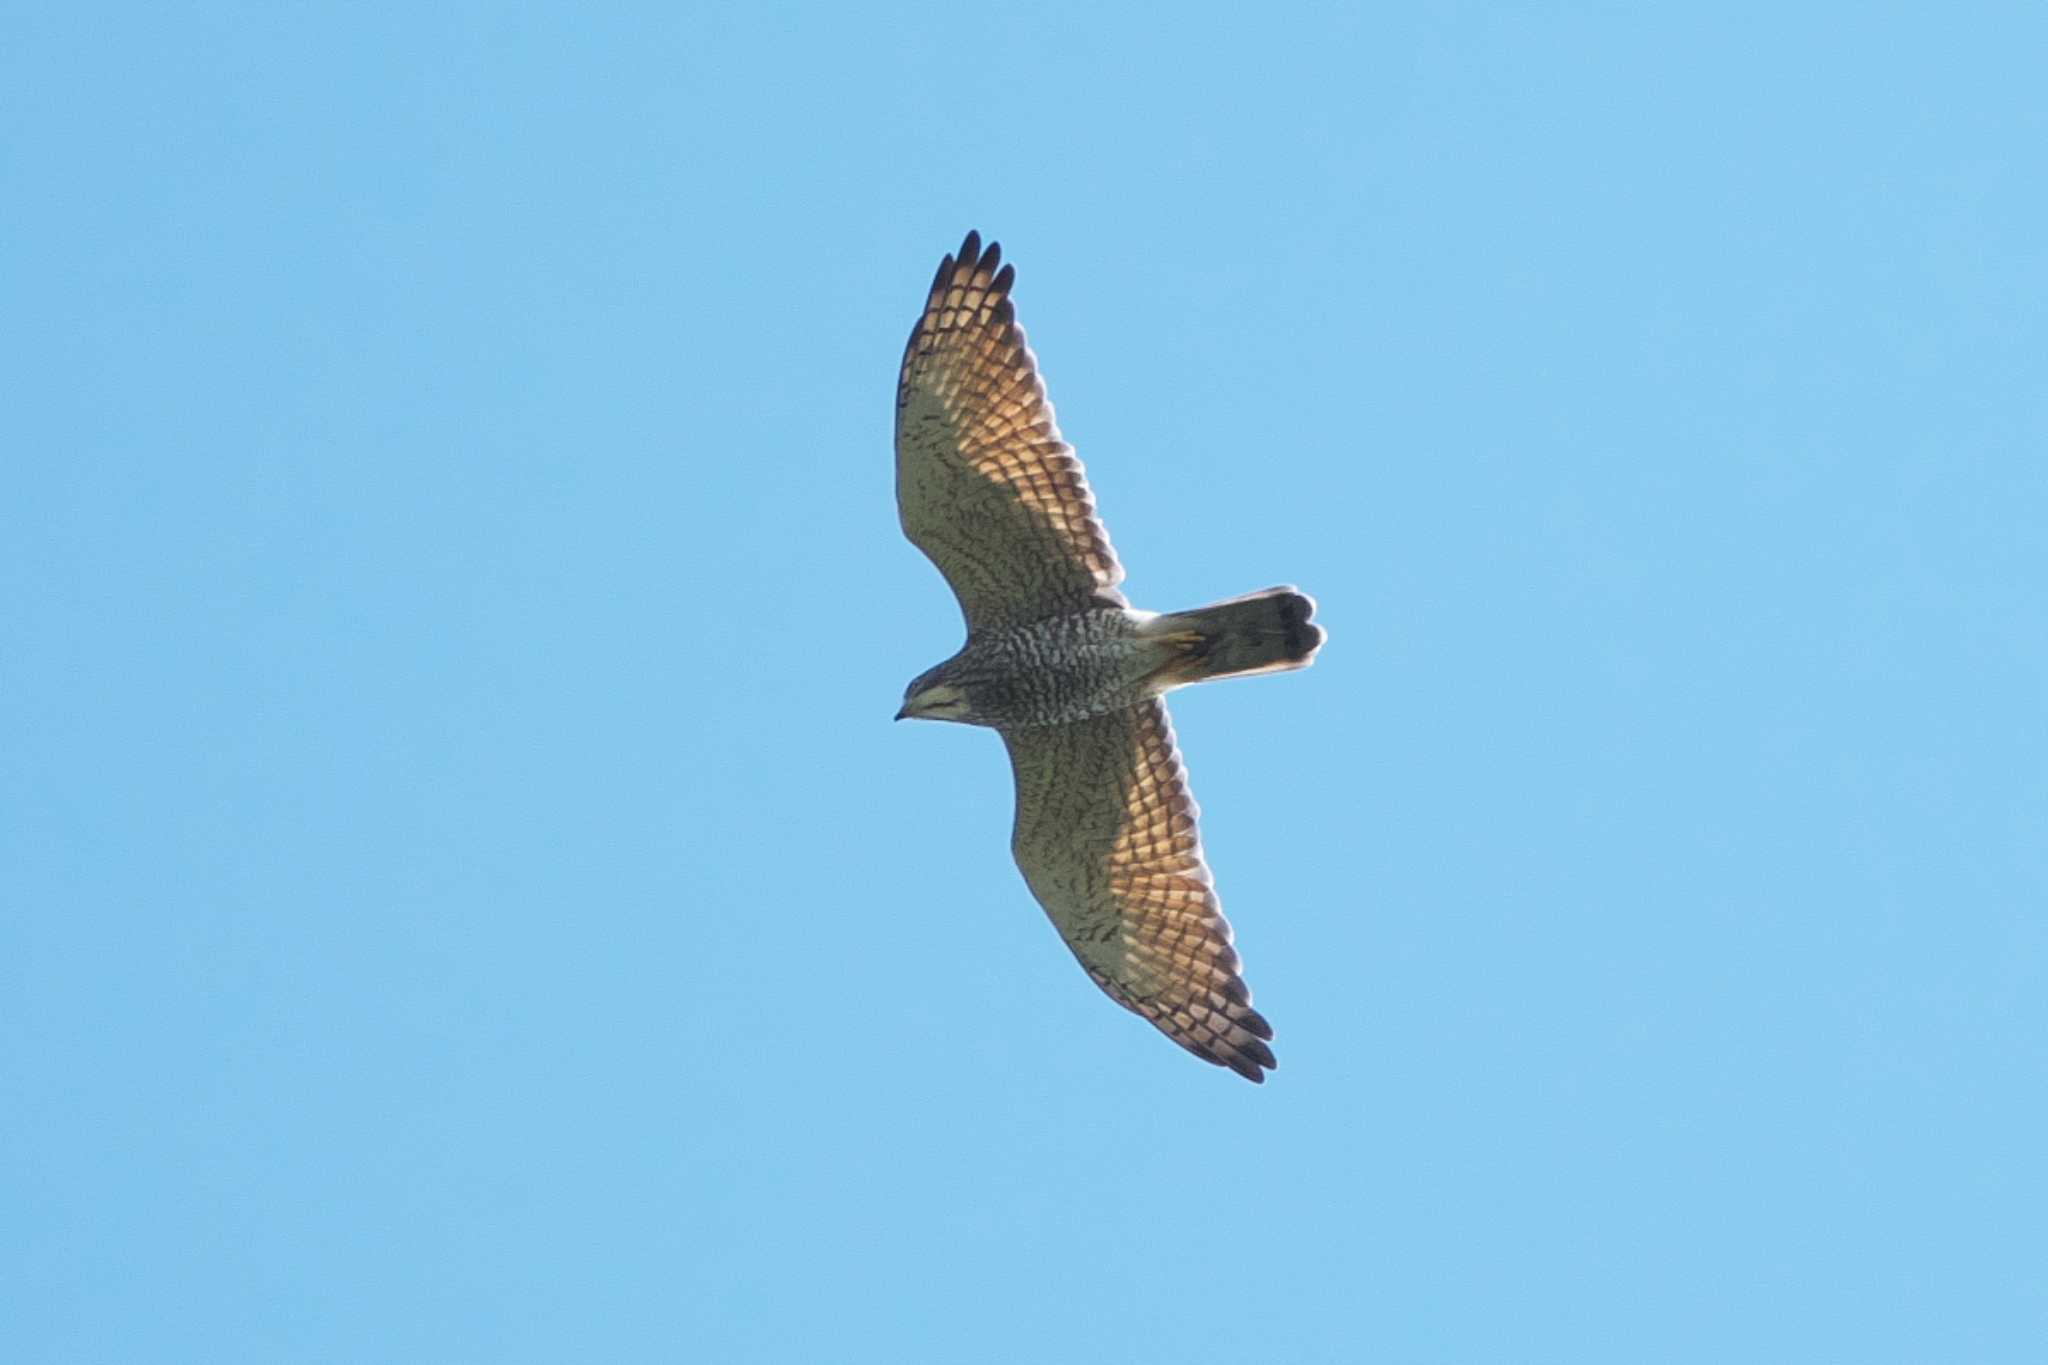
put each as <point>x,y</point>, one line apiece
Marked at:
<point>984,484</point>
<point>1106,837</point>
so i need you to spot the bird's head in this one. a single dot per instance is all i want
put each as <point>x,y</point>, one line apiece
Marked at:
<point>952,691</point>
<point>934,701</point>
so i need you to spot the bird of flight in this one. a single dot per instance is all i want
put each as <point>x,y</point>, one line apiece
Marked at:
<point>1071,676</point>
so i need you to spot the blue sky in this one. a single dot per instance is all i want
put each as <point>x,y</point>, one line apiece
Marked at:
<point>466,900</point>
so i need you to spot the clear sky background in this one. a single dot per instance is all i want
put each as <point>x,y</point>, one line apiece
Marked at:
<point>466,900</point>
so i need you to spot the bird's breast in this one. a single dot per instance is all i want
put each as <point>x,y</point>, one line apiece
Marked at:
<point>1068,668</point>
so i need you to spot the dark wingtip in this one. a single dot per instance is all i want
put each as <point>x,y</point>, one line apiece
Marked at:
<point>1250,1065</point>
<point>977,258</point>
<point>973,259</point>
<point>1245,1050</point>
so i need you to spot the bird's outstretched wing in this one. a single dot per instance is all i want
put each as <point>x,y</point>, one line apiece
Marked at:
<point>984,484</point>
<point>1106,838</point>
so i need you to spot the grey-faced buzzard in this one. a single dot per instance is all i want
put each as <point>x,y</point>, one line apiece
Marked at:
<point>1071,676</point>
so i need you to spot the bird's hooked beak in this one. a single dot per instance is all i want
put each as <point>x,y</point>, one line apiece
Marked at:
<point>903,711</point>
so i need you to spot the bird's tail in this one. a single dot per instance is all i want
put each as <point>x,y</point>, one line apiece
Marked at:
<point>1261,632</point>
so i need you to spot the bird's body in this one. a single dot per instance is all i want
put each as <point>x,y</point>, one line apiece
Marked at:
<point>1056,671</point>
<point>1069,673</point>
